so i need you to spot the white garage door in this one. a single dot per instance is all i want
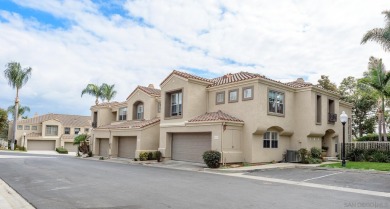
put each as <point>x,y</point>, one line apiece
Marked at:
<point>70,147</point>
<point>103,147</point>
<point>190,146</point>
<point>127,147</point>
<point>43,145</point>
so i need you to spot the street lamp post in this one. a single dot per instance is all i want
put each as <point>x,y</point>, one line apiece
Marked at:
<point>24,140</point>
<point>343,119</point>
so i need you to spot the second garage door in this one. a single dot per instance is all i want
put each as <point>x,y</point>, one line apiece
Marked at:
<point>127,147</point>
<point>70,147</point>
<point>43,145</point>
<point>103,147</point>
<point>190,146</point>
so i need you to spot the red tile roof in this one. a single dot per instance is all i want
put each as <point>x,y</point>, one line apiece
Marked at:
<point>111,104</point>
<point>215,116</point>
<point>131,124</point>
<point>187,76</point>
<point>299,83</point>
<point>65,120</point>
<point>148,90</point>
<point>235,77</point>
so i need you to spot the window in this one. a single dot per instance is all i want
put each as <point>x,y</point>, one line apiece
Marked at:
<point>122,113</point>
<point>34,128</point>
<point>247,93</point>
<point>332,117</point>
<point>233,95</point>
<point>220,97</point>
<point>159,107</point>
<point>318,109</point>
<point>176,104</point>
<point>140,111</point>
<point>67,130</point>
<point>26,127</point>
<point>270,140</point>
<point>51,130</point>
<point>20,127</point>
<point>275,102</point>
<point>335,147</point>
<point>76,131</point>
<point>86,130</point>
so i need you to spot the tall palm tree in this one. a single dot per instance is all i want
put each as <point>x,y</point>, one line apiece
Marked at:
<point>380,35</point>
<point>108,92</point>
<point>93,90</point>
<point>17,78</point>
<point>379,79</point>
<point>21,110</point>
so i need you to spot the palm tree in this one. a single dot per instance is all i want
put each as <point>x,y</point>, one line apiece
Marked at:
<point>17,78</point>
<point>380,35</point>
<point>93,90</point>
<point>82,142</point>
<point>108,92</point>
<point>378,78</point>
<point>21,110</point>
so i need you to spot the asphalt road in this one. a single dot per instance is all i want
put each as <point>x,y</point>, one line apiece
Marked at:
<point>68,182</point>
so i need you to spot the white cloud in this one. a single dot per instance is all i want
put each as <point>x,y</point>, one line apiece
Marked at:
<point>282,40</point>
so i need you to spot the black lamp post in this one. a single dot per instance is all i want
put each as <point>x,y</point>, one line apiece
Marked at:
<point>24,139</point>
<point>343,119</point>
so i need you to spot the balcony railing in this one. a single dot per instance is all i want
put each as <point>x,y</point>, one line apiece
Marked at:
<point>332,117</point>
<point>94,124</point>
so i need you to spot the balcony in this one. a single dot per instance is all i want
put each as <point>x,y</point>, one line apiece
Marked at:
<point>94,124</point>
<point>332,117</point>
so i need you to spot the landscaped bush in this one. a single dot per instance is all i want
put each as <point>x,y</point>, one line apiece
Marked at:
<point>312,160</point>
<point>90,154</point>
<point>212,158</point>
<point>379,157</point>
<point>158,156</point>
<point>143,156</point>
<point>356,155</point>
<point>315,152</point>
<point>312,157</point>
<point>371,137</point>
<point>370,155</point>
<point>62,150</point>
<point>303,154</point>
<point>150,156</point>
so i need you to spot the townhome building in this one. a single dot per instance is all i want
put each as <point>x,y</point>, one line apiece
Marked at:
<point>49,131</point>
<point>246,116</point>
<point>124,129</point>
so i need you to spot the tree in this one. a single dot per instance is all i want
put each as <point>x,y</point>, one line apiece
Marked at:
<point>108,92</point>
<point>21,110</point>
<point>17,78</point>
<point>81,141</point>
<point>378,79</point>
<point>325,83</point>
<point>364,102</point>
<point>93,90</point>
<point>380,35</point>
<point>3,123</point>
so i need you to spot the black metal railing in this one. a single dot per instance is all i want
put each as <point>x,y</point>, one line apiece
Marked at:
<point>332,117</point>
<point>94,124</point>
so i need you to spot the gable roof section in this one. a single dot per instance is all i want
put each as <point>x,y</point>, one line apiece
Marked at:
<point>187,76</point>
<point>150,91</point>
<point>131,124</point>
<point>110,104</point>
<point>215,117</point>
<point>299,83</point>
<point>65,120</point>
<point>235,77</point>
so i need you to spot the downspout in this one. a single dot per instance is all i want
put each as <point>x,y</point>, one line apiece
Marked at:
<point>222,157</point>
<point>110,145</point>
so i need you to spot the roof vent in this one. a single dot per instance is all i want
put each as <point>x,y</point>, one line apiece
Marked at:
<point>300,80</point>
<point>151,86</point>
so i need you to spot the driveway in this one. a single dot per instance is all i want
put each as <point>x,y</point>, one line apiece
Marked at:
<point>67,182</point>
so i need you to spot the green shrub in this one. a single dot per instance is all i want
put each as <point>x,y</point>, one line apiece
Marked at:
<point>90,154</point>
<point>158,156</point>
<point>135,159</point>
<point>150,155</point>
<point>312,160</point>
<point>62,150</point>
<point>315,152</point>
<point>101,158</point>
<point>370,137</point>
<point>303,154</point>
<point>378,156</point>
<point>212,158</point>
<point>356,155</point>
<point>143,156</point>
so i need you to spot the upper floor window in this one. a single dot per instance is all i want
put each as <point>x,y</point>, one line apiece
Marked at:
<point>140,111</point>
<point>20,127</point>
<point>275,102</point>
<point>51,130</point>
<point>67,130</point>
<point>34,128</point>
<point>318,109</point>
<point>159,107</point>
<point>247,93</point>
<point>270,139</point>
<point>332,116</point>
<point>26,127</point>
<point>76,131</point>
<point>176,104</point>
<point>233,95</point>
<point>122,113</point>
<point>220,97</point>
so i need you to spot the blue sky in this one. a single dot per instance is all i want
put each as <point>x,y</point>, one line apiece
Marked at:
<point>128,43</point>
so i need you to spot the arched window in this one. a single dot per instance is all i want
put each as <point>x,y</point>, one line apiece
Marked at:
<point>138,113</point>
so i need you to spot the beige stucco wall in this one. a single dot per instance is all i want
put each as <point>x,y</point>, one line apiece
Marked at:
<point>150,105</point>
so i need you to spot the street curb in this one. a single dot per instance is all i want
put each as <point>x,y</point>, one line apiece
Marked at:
<point>10,199</point>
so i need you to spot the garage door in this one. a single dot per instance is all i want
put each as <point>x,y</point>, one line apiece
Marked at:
<point>127,147</point>
<point>103,147</point>
<point>190,146</point>
<point>70,147</point>
<point>44,145</point>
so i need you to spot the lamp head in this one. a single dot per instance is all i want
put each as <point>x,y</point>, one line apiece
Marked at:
<point>343,117</point>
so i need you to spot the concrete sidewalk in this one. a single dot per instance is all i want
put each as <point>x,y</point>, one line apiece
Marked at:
<point>9,199</point>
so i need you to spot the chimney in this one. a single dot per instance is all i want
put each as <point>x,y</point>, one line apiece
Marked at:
<point>151,86</point>
<point>300,80</point>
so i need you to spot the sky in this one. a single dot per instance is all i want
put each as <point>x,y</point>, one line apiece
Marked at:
<point>70,43</point>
